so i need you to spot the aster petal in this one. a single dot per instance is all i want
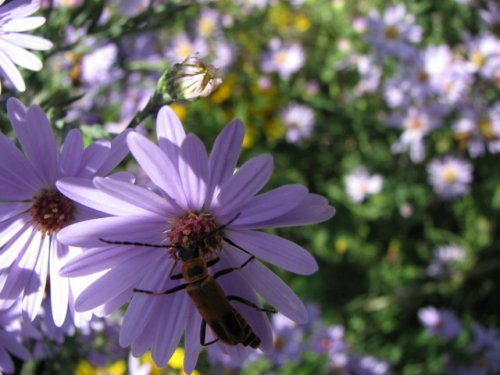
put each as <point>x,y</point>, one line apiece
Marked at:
<point>170,133</point>
<point>114,282</point>
<point>141,307</point>
<point>157,166</point>
<point>84,191</point>
<point>276,250</point>
<point>169,333</point>
<point>71,154</point>
<point>193,170</point>
<point>19,180</point>
<point>99,259</point>
<point>20,56</point>
<point>22,264</point>
<point>35,135</point>
<point>93,157</point>
<point>136,195</point>
<point>269,205</point>
<point>59,287</point>
<point>18,9</point>
<point>270,287</point>
<point>23,24</point>
<point>224,156</point>
<point>35,287</point>
<point>33,42</point>
<point>243,185</point>
<point>192,340</point>
<point>11,72</point>
<point>9,210</point>
<point>136,229</point>
<point>143,342</point>
<point>6,363</point>
<point>16,236</point>
<point>13,346</point>
<point>313,209</point>
<point>119,149</point>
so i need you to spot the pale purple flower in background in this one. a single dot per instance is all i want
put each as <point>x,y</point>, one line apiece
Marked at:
<point>288,341</point>
<point>484,56</point>
<point>479,127</point>
<point>197,193</point>
<point>486,345</point>
<point>298,120</point>
<point>416,124</point>
<point>328,339</point>
<point>450,176</point>
<point>445,257</point>
<point>394,33</point>
<point>132,7</point>
<point>136,368</point>
<point>369,365</point>
<point>360,184</point>
<point>282,58</point>
<point>14,20</point>
<point>181,47</point>
<point>369,75</point>
<point>99,66</point>
<point>223,54</point>
<point>491,15</point>
<point>32,210</point>
<point>12,332</point>
<point>208,24</point>
<point>440,322</point>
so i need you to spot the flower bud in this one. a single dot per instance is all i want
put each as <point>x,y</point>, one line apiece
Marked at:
<point>189,80</point>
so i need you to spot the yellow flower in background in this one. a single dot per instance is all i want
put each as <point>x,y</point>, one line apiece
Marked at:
<point>180,110</point>
<point>85,368</point>
<point>274,129</point>
<point>224,90</point>
<point>175,362</point>
<point>250,137</point>
<point>341,246</point>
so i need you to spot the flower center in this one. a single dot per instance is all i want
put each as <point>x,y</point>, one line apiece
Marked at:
<point>449,175</point>
<point>478,59</point>
<point>51,211</point>
<point>392,33</point>
<point>486,128</point>
<point>197,229</point>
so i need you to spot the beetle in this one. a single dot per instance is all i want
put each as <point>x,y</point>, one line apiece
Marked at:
<point>212,303</point>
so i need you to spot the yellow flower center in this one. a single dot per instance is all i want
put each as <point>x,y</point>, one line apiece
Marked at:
<point>391,32</point>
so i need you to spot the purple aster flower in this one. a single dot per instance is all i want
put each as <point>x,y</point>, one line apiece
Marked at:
<point>486,344</point>
<point>182,46</point>
<point>484,58</point>
<point>491,15</point>
<point>98,66</point>
<point>416,123</point>
<point>369,73</point>
<point>444,259</point>
<point>450,177</point>
<point>288,340</point>
<point>393,33</point>
<point>14,20</point>
<point>298,120</point>
<point>360,184</point>
<point>32,210</point>
<point>196,195</point>
<point>440,322</point>
<point>282,58</point>
<point>479,128</point>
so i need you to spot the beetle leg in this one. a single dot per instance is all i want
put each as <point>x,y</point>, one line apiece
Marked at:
<point>203,331</point>
<point>177,276</point>
<point>168,291</point>
<point>231,242</point>
<point>211,262</point>
<point>136,244</point>
<point>228,270</point>
<point>251,304</point>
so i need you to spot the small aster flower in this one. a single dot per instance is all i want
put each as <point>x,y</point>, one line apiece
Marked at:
<point>298,120</point>
<point>478,129</point>
<point>484,58</point>
<point>14,20</point>
<point>32,210</point>
<point>181,47</point>
<point>195,195</point>
<point>416,123</point>
<point>98,66</point>
<point>486,344</point>
<point>282,58</point>
<point>440,322</point>
<point>360,184</point>
<point>12,331</point>
<point>288,340</point>
<point>394,33</point>
<point>444,259</point>
<point>450,177</point>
